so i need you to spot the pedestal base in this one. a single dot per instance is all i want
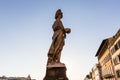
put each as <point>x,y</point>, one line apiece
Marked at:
<point>56,73</point>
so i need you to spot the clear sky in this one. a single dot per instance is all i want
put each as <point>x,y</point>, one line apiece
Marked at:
<point>26,34</point>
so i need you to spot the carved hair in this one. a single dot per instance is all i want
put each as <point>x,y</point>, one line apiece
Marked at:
<point>58,12</point>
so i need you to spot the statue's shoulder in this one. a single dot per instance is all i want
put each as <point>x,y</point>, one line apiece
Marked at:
<point>55,23</point>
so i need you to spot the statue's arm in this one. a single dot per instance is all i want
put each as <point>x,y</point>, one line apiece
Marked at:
<point>54,26</point>
<point>63,29</point>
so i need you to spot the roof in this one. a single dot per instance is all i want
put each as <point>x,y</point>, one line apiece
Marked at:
<point>101,46</point>
<point>108,41</point>
<point>105,41</point>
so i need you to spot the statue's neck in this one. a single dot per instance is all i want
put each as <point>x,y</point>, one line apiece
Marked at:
<point>58,19</point>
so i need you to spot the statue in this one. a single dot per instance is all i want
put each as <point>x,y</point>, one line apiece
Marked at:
<point>55,70</point>
<point>58,39</point>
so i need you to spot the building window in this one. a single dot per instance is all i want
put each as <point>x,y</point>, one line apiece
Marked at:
<point>113,50</point>
<point>118,73</point>
<point>119,43</point>
<point>117,59</point>
<point>116,47</point>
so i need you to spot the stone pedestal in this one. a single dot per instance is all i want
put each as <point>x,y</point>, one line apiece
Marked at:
<point>56,72</point>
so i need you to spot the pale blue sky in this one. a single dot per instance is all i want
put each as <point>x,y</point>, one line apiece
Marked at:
<point>25,34</point>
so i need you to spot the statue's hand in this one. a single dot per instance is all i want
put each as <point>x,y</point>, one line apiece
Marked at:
<point>67,30</point>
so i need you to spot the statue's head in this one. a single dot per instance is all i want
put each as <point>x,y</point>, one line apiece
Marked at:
<point>58,13</point>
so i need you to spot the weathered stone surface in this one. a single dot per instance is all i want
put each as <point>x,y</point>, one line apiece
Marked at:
<point>56,73</point>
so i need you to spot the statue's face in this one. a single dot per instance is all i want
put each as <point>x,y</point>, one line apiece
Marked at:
<point>60,16</point>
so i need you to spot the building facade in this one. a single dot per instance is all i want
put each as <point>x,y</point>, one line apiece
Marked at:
<point>105,60</point>
<point>115,52</point>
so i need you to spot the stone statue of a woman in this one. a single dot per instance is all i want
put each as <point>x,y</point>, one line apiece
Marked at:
<point>58,39</point>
